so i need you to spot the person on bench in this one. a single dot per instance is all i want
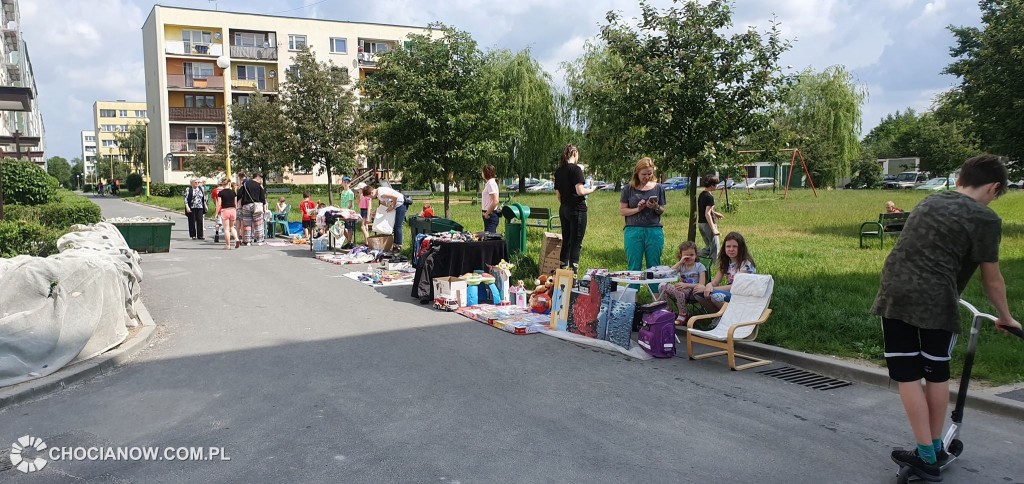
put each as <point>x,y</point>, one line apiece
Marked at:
<point>891,208</point>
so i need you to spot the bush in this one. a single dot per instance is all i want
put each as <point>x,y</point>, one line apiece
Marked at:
<point>67,210</point>
<point>868,174</point>
<point>27,184</point>
<point>87,188</point>
<point>166,190</point>
<point>133,182</point>
<point>525,269</point>
<point>27,238</point>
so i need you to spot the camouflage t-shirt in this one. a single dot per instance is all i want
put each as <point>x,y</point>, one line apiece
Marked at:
<point>945,238</point>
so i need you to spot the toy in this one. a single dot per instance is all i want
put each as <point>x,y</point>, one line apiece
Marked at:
<point>518,294</point>
<point>446,303</point>
<point>542,293</point>
<point>502,272</point>
<point>541,304</point>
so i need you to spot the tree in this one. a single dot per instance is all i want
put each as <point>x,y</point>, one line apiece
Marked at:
<point>77,173</point>
<point>942,147</point>
<point>110,169</point>
<point>323,109</point>
<point>132,146</point>
<point>693,87</point>
<point>529,101</point>
<point>867,172</point>
<point>988,63</point>
<point>262,139</point>
<point>822,110</point>
<point>208,165</point>
<point>609,142</point>
<point>59,168</point>
<point>883,141</point>
<point>434,111</point>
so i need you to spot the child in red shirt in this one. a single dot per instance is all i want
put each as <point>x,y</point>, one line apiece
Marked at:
<point>307,206</point>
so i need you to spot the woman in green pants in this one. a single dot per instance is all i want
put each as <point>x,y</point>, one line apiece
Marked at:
<point>642,202</point>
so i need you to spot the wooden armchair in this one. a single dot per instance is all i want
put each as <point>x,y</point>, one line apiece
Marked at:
<point>738,320</point>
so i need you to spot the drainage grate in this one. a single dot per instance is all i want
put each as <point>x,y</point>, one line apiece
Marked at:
<point>805,378</point>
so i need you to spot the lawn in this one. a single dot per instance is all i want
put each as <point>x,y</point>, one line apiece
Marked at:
<point>824,283</point>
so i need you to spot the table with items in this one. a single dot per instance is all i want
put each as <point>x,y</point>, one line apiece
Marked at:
<point>453,254</point>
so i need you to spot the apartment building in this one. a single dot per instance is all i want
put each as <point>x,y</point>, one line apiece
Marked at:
<point>198,61</point>
<point>21,124</point>
<point>111,119</point>
<point>89,155</point>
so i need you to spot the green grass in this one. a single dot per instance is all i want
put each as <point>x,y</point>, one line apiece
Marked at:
<point>824,283</point>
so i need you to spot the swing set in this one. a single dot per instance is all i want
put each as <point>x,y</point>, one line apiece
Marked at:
<point>792,161</point>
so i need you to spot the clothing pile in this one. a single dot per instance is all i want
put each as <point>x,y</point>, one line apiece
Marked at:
<point>422,242</point>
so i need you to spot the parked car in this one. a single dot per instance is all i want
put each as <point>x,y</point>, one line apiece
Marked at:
<point>512,187</point>
<point>676,183</point>
<point>758,183</point>
<point>609,187</point>
<point>906,180</point>
<point>937,184</point>
<point>1017,185</point>
<point>732,184</point>
<point>545,186</point>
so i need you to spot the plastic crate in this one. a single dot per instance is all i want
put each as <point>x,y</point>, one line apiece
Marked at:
<point>420,225</point>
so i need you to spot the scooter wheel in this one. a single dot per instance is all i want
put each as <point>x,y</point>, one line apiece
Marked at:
<point>955,447</point>
<point>904,475</point>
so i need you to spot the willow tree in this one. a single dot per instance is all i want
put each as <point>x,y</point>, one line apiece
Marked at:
<point>694,84</point>
<point>529,104</point>
<point>822,110</point>
<point>132,146</point>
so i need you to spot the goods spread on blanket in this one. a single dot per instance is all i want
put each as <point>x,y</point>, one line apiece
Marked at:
<point>358,255</point>
<point>400,277</point>
<point>511,319</point>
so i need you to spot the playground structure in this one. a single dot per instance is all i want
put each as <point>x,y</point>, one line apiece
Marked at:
<point>796,152</point>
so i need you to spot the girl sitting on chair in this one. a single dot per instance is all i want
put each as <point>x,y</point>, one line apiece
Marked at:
<point>733,260</point>
<point>692,277</point>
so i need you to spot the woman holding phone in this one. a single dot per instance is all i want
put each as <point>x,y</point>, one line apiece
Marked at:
<point>642,202</point>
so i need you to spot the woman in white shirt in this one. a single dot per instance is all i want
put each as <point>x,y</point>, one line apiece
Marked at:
<point>395,202</point>
<point>489,200</point>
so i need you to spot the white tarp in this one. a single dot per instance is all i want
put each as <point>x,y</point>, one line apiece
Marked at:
<point>67,307</point>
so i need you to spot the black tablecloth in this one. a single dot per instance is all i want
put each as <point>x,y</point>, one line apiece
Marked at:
<point>455,259</point>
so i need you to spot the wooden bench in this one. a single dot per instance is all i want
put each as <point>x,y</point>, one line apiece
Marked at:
<point>543,218</point>
<point>887,222</point>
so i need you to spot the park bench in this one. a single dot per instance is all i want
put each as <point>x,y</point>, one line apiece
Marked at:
<point>542,218</point>
<point>887,222</point>
<point>279,190</point>
<point>417,193</point>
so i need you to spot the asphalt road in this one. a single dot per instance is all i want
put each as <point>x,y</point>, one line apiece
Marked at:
<point>301,375</point>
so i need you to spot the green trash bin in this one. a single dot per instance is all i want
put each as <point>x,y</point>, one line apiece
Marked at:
<point>147,237</point>
<point>515,227</point>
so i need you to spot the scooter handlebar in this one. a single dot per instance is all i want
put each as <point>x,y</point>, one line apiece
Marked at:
<point>978,314</point>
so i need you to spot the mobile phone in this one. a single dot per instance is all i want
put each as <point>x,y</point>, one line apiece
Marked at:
<point>652,200</point>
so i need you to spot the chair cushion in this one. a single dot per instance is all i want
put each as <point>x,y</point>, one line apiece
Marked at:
<point>754,285</point>
<point>742,308</point>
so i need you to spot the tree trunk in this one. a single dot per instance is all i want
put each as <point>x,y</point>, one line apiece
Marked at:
<point>447,184</point>
<point>330,190</point>
<point>522,183</point>
<point>691,230</point>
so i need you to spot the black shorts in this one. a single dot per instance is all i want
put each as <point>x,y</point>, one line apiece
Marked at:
<point>913,353</point>
<point>307,224</point>
<point>350,225</point>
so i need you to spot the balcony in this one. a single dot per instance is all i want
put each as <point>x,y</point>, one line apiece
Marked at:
<point>13,64</point>
<point>258,53</point>
<point>366,59</point>
<point>179,47</point>
<point>262,85</point>
<point>192,146</point>
<point>197,114</point>
<point>11,37</point>
<point>179,81</point>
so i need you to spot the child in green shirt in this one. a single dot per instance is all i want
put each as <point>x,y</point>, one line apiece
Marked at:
<point>348,200</point>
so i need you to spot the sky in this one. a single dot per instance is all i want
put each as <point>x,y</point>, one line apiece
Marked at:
<point>88,50</point>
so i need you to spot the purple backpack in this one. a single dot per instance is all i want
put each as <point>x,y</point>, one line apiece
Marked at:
<point>658,334</point>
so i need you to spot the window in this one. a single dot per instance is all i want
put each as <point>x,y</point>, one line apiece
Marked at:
<point>140,114</point>
<point>200,134</point>
<point>108,113</point>
<point>90,148</point>
<point>242,100</point>
<point>339,45</point>
<point>294,70</point>
<point>90,138</point>
<point>296,42</point>
<point>250,39</point>
<point>197,70</point>
<point>123,113</point>
<point>374,47</point>
<point>298,170</point>
<point>250,73</point>
<point>109,143</point>
<point>107,128</point>
<point>199,101</point>
<point>197,41</point>
<point>177,163</point>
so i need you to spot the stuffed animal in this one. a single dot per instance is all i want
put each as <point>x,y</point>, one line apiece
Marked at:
<point>539,288</point>
<point>540,300</point>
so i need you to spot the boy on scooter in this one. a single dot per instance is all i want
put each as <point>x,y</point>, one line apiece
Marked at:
<point>947,236</point>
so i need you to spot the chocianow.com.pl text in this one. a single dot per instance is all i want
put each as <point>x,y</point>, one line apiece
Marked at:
<point>190,454</point>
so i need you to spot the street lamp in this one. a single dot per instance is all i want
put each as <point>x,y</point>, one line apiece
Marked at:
<point>224,62</point>
<point>146,122</point>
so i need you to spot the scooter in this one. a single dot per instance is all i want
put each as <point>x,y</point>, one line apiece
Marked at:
<point>951,440</point>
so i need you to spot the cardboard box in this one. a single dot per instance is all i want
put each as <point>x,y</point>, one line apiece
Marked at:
<point>381,242</point>
<point>550,252</point>
<point>453,287</point>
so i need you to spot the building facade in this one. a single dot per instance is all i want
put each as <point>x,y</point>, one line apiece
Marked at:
<point>21,124</point>
<point>110,120</point>
<point>89,155</point>
<point>198,62</point>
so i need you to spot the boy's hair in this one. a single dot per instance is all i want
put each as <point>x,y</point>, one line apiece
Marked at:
<point>280,199</point>
<point>305,194</point>
<point>426,205</point>
<point>685,246</point>
<point>367,190</point>
<point>710,180</point>
<point>982,170</point>
<point>741,253</point>
<point>567,153</point>
<point>489,171</point>
<point>641,165</point>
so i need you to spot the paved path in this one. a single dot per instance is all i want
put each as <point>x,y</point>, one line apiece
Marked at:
<point>305,376</point>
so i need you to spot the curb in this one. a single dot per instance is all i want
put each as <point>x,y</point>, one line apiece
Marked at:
<point>83,370</point>
<point>978,399</point>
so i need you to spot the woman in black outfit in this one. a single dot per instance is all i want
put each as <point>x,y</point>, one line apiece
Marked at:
<point>572,210</point>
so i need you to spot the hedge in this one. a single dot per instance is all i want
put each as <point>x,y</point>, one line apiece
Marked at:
<point>133,182</point>
<point>22,237</point>
<point>68,210</point>
<point>167,190</point>
<point>87,188</point>
<point>26,183</point>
